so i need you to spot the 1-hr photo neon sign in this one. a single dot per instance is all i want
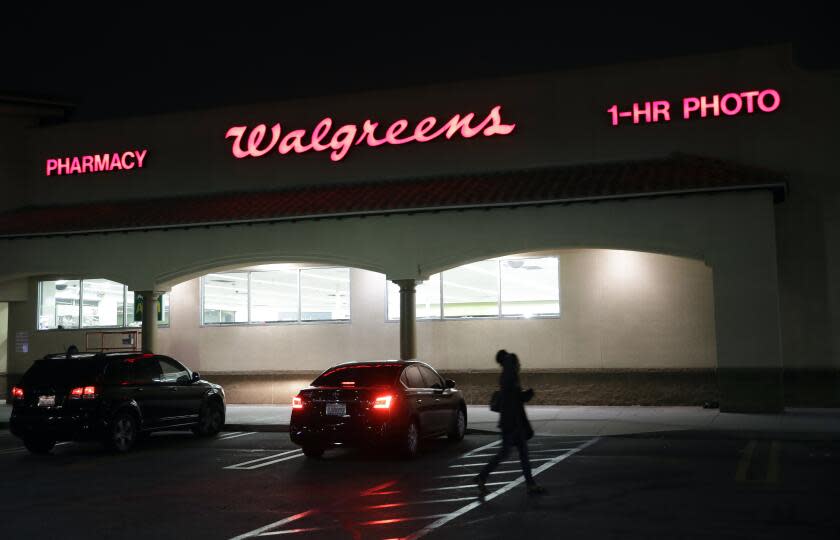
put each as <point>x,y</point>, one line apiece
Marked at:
<point>730,104</point>
<point>370,134</point>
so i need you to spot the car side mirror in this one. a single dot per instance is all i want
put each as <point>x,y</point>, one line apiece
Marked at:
<point>196,376</point>
<point>450,383</point>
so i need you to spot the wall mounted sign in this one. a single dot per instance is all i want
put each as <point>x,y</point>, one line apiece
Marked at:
<point>731,104</point>
<point>117,161</point>
<point>345,137</point>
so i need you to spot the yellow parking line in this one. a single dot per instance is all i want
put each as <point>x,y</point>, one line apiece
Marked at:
<point>744,462</point>
<point>773,466</point>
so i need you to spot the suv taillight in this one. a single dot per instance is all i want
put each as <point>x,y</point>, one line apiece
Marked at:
<point>297,402</point>
<point>83,392</point>
<point>382,402</point>
<point>17,392</point>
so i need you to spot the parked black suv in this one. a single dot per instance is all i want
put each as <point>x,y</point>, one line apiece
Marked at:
<point>368,403</point>
<point>114,397</point>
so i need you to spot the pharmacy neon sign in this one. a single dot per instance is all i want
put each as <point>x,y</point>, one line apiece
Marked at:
<point>94,163</point>
<point>729,104</point>
<point>338,143</point>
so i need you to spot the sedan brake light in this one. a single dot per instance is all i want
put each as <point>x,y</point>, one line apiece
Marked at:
<point>17,392</point>
<point>83,392</point>
<point>297,402</point>
<point>382,402</point>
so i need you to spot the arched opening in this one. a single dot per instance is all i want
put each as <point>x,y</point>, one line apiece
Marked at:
<point>582,320</point>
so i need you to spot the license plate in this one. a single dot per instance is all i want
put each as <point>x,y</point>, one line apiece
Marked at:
<point>46,401</point>
<point>336,409</point>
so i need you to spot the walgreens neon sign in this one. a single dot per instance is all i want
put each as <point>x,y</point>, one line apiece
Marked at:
<point>340,141</point>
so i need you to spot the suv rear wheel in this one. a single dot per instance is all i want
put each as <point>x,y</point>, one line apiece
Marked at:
<point>123,433</point>
<point>38,445</point>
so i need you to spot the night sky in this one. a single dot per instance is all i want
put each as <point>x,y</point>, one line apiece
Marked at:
<point>124,61</point>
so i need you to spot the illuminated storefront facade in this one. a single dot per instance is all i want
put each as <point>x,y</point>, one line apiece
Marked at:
<point>673,218</point>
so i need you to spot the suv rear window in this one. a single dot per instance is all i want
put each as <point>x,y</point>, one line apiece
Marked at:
<point>360,375</point>
<point>63,370</point>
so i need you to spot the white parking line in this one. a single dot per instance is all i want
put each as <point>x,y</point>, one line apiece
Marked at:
<point>465,486</point>
<point>264,461</point>
<point>257,532</point>
<point>512,471</point>
<point>479,464</point>
<point>530,451</point>
<point>480,448</point>
<point>504,489</point>
<point>234,435</point>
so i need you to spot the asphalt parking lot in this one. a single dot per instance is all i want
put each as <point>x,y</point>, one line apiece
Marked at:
<point>688,484</point>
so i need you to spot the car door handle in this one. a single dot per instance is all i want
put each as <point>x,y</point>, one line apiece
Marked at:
<point>138,389</point>
<point>173,389</point>
<point>419,400</point>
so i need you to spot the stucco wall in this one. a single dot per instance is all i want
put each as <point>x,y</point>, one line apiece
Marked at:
<point>619,309</point>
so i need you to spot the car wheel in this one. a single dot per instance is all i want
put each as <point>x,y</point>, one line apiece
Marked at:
<point>313,452</point>
<point>210,420</point>
<point>38,445</point>
<point>123,433</point>
<point>410,445</point>
<point>459,426</point>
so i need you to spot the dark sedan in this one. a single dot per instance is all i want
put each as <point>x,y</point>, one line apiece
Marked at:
<point>369,403</point>
<point>113,397</point>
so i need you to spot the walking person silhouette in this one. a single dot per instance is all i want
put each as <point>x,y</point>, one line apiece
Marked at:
<point>516,429</point>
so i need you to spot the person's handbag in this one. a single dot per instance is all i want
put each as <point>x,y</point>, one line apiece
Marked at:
<point>496,401</point>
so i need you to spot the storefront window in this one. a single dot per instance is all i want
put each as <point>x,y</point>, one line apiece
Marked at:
<point>225,298</point>
<point>472,290</point>
<point>129,309</point>
<point>58,304</point>
<point>530,287</point>
<point>510,287</point>
<point>95,303</point>
<point>102,303</point>
<point>274,296</point>
<point>282,295</point>
<point>325,294</point>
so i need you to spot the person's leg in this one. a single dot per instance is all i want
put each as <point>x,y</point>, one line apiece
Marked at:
<point>500,456</point>
<point>533,488</point>
<point>522,446</point>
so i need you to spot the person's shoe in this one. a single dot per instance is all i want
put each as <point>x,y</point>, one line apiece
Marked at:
<point>536,489</point>
<point>482,489</point>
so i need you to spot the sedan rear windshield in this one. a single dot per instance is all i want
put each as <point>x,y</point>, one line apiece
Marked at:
<point>63,370</point>
<point>361,375</point>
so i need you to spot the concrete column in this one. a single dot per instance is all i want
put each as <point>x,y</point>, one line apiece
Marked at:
<point>747,326</point>
<point>149,320</point>
<point>408,319</point>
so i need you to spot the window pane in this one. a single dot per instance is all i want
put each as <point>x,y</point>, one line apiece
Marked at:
<point>225,298</point>
<point>530,287</point>
<point>129,309</point>
<point>274,296</point>
<point>58,304</point>
<point>427,299</point>
<point>472,290</point>
<point>325,294</point>
<point>102,303</point>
